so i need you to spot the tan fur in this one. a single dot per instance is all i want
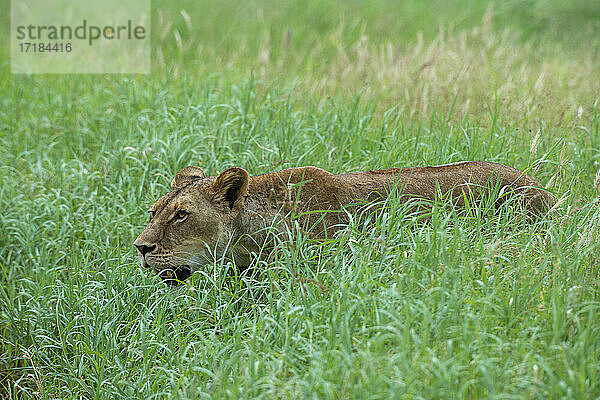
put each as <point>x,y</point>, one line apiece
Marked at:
<point>233,214</point>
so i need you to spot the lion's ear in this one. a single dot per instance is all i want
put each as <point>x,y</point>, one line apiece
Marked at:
<point>231,188</point>
<point>187,175</point>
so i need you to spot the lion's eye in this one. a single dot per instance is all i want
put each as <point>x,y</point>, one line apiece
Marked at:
<point>179,215</point>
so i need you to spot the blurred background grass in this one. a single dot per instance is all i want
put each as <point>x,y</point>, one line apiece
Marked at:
<point>233,27</point>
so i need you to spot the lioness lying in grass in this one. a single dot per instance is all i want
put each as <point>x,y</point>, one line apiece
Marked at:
<point>204,218</point>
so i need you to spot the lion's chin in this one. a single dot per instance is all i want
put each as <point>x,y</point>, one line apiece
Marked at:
<point>177,276</point>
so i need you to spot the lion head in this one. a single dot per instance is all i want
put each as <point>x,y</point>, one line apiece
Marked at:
<point>192,225</point>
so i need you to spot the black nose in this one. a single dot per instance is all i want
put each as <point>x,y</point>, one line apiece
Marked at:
<point>144,248</point>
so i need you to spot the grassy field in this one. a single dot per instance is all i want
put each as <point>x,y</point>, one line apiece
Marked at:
<point>471,306</point>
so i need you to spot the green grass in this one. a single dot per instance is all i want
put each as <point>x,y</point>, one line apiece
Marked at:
<point>478,305</point>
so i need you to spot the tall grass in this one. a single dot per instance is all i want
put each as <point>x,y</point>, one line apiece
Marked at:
<point>470,305</point>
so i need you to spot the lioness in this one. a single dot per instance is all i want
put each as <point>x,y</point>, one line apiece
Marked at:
<point>206,218</point>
